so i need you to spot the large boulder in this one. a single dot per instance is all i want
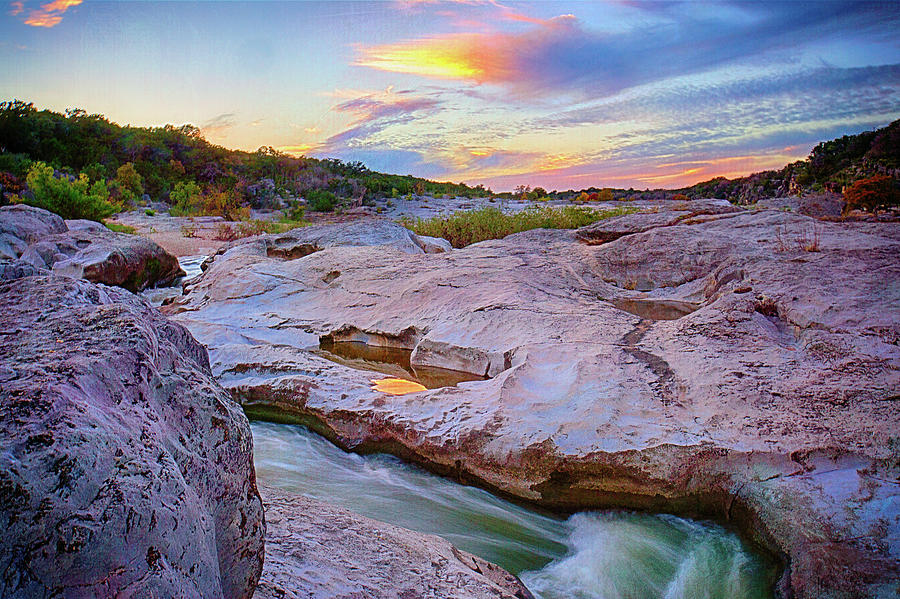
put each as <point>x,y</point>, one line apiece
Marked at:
<point>126,470</point>
<point>743,368</point>
<point>297,243</point>
<point>84,249</point>
<point>22,225</point>
<point>314,549</point>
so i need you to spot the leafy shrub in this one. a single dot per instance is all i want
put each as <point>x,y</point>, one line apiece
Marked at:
<point>464,228</point>
<point>16,164</point>
<point>150,212</point>
<point>9,183</point>
<point>875,193</point>
<point>230,231</point>
<point>69,199</point>
<point>128,183</point>
<point>680,197</point>
<point>184,198</point>
<point>320,200</point>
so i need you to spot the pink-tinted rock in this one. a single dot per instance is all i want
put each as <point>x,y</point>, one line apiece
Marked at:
<point>125,470</point>
<point>84,249</point>
<point>769,403</point>
<point>317,550</point>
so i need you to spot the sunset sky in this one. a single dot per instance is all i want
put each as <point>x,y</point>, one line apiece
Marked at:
<point>557,94</point>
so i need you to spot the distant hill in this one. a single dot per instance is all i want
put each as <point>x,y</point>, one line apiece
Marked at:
<point>78,142</point>
<point>830,166</point>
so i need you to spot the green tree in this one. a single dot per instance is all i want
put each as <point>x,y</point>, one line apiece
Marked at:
<point>128,183</point>
<point>69,199</point>
<point>185,198</point>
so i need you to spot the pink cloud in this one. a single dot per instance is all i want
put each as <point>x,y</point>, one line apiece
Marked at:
<point>50,14</point>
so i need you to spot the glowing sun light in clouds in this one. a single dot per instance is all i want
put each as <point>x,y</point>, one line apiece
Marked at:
<point>48,15</point>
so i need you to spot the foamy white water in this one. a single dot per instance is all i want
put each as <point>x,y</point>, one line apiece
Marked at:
<point>604,555</point>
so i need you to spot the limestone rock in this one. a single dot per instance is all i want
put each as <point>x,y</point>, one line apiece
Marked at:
<point>126,469</point>
<point>317,550</point>
<point>21,225</point>
<point>743,368</point>
<point>84,249</point>
<point>618,226</point>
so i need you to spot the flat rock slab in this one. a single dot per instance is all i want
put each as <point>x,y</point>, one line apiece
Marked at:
<point>727,368</point>
<point>84,249</point>
<point>316,550</point>
<point>613,228</point>
<point>126,470</point>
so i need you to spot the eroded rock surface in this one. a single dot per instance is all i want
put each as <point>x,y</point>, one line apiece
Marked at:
<point>84,249</point>
<point>125,469</point>
<point>314,549</point>
<point>660,216</point>
<point>770,402</point>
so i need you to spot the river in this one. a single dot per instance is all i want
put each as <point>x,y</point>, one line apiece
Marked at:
<point>608,555</point>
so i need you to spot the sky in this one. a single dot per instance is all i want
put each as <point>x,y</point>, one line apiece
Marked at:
<point>562,95</point>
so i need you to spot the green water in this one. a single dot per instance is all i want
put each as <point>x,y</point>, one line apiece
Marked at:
<point>608,555</point>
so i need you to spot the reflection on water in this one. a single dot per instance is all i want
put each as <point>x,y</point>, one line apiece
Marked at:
<point>393,386</point>
<point>607,555</point>
<point>393,362</point>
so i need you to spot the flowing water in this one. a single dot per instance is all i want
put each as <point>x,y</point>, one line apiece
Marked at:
<point>608,555</point>
<point>190,265</point>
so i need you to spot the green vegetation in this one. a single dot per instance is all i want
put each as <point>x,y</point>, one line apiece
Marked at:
<point>176,165</point>
<point>464,228</point>
<point>230,232</point>
<point>70,198</point>
<point>120,228</point>
<point>320,200</point>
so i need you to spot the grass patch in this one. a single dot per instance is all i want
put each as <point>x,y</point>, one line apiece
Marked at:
<point>464,228</point>
<point>232,231</point>
<point>120,228</point>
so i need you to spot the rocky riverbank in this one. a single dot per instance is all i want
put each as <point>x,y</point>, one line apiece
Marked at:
<point>741,365</point>
<point>127,470</point>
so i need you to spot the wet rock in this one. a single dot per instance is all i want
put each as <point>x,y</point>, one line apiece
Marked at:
<point>314,549</point>
<point>751,378</point>
<point>84,249</point>
<point>126,469</point>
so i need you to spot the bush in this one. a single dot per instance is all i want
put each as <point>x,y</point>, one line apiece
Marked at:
<point>875,193</point>
<point>320,200</point>
<point>680,197</point>
<point>128,183</point>
<point>464,228</point>
<point>185,198</point>
<point>69,199</point>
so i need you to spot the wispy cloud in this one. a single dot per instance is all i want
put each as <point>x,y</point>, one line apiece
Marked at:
<point>374,112</point>
<point>48,15</point>
<point>561,55</point>
<point>16,8</point>
<point>218,125</point>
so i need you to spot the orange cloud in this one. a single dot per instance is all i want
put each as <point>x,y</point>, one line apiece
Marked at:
<point>483,58</point>
<point>16,8</point>
<point>50,14</point>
